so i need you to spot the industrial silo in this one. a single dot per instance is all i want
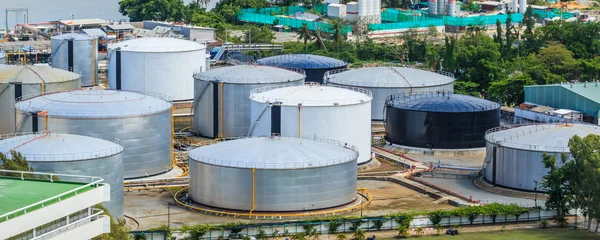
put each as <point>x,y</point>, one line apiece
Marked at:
<point>385,81</point>
<point>159,65</point>
<point>439,120</point>
<point>221,104</point>
<point>314,65</point>
<point>338,113</point>
<point>514,154</point>
<point>141,122</point>
<point>25,80</point>
<point>273,174</point>
<point>77,53</point>
<point>74,155</point>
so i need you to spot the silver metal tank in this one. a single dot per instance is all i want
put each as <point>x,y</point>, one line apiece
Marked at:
<point>274,173</point>
<point>17,81</point>
<point>76,53</point>
<point>75,155</point>
<point>221,104</point>
<point>387,80</point>
<point>514,154</point>
<point>141,122</point>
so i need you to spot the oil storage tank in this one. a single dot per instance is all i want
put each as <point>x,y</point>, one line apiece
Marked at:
<point>273,174</point>
<point>159,65</point>
<point>24,80</point>
<point>439,120</point>
<point>74,155</point>
<point>338,113</point>
<point>514,154</point>
<point>141,122</point>
<point>76,53</point>
<point>387,80</point>
<point>314,65</point>
<point>221,104</point>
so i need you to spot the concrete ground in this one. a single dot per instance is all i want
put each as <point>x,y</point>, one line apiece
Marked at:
<point>474,161</point>
<point>150,209</point>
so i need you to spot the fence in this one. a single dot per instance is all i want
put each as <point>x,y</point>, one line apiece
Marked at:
<point>348,226</point>
<point>481,20</point>
<point>552,13</point>
<point>290,10</point>
<point>291,22</point>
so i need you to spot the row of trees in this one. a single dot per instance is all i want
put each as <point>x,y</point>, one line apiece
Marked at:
<point>573,182</point>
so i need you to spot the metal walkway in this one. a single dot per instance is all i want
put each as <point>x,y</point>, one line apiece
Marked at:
<point>245,47</point>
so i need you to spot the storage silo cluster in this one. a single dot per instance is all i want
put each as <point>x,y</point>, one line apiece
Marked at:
<point>312,110</point>
<point>221,104</point>
<point>315,66</point>
<point>74,155</point>
<point>274,174</point>
<point>77,53</point>
<point>387,80</point>
<point>158,65</point>
<point>439,120</point>
<point>17,81</point>
<point>142,123</point>
<point>514,154</point>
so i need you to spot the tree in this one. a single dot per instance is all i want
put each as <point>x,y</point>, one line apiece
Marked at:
<point>306,35</point>
<point>510,91</point>
<point>585,174</point>
<point>557,185</point>
<point>261,235</point>
<point>479,60</point>
<point>467,88</point>
<point>16,162</point>
<point>341,236</point>
<point>255,34</point>
<point>359,234</point>
<point>118,229</point>
<point>161,10</point>
<point>559,61</point>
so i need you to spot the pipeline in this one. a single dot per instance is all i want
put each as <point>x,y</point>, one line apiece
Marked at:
<point>173,161</point>
<point>299,119</point>
<point>251,131</point>
<point>220,135</point>
<point>253,178</point>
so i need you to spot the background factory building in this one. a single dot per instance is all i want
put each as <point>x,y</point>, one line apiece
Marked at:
<point>439,120</point>
<point>140,122</point>
<point>385,81</point>
<point>338,113</point>
<point>221,103</point>
<point>273,174</point>
<point>156,65</point>
<point>73,155</point>
<point>515,153</point>
<point>582,97</point>
<point>315,66</point>
<point>17,81</point>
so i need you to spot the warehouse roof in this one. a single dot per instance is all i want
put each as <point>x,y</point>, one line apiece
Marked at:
<point>441,102</point>
<point>303,61</point>
<point>311,95</point>
<point>92,103</point>
<point>590,91</point>
<point>91,21</point>
<point>42,147</point>
<point>397,77</point>
<point>28,74</point>
<point>540,137</point>
<point>275,153</point>
<point>251,74</point>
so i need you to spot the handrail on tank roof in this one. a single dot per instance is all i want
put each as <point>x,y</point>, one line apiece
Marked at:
<point>274,59</point>
<point>94,182</point>
<point>329,75</point>
<point>150,94</point>
<point>200,75</point>
<point>502,141</point>
<point>367,92</point>
<point>399,98</point>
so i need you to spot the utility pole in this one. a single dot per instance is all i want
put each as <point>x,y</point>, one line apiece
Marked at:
<point>72,25</point>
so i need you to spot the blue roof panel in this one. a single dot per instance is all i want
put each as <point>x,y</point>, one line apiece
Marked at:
<point>441,102</point>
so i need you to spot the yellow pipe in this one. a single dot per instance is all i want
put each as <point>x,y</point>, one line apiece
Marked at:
<point>46,123</point>
<point>251,210</point>
<point>220,135</point>
<point>173,161</point>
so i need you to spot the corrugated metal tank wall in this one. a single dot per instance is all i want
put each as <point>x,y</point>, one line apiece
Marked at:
<point>109,168</point>
<point>345,123</point>
<point>85,58</point>
<point>147,139</point>
<point>235,116</point>
<point>275,189</point>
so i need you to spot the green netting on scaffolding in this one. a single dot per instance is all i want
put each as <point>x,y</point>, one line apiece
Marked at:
<point>290,10</point>
<point>481,20</point>
<point>395,15</point>
<point>405,25</point>
<point>290,22</point>
<point>552,13</point>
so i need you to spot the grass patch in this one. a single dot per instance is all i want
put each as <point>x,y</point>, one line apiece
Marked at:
<point>522,234</point>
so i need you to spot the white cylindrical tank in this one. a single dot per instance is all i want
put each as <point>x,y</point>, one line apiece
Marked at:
<point>141,122</point>
<point>336,11</point>
<point>221,104</point>
<point>158,65</point>
<point>363,8</point>
<point>451,7</point>
<point>77,53</point>
<point>273,174</point>
<point>433,7</point>
<point>385,81</point>
<point>338,113</point>
<point>74,155</point>
<point>440,7</point>
<point>25,80</point>
<point>522,6</point>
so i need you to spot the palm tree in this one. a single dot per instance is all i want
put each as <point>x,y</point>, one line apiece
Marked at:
<point>306,35</point>
<point>320,41</point>
<point>359,234</point>
<point>336,27</point>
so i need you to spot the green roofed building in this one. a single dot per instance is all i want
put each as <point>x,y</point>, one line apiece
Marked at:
<point>582,97</point>
<point>32,206</point>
